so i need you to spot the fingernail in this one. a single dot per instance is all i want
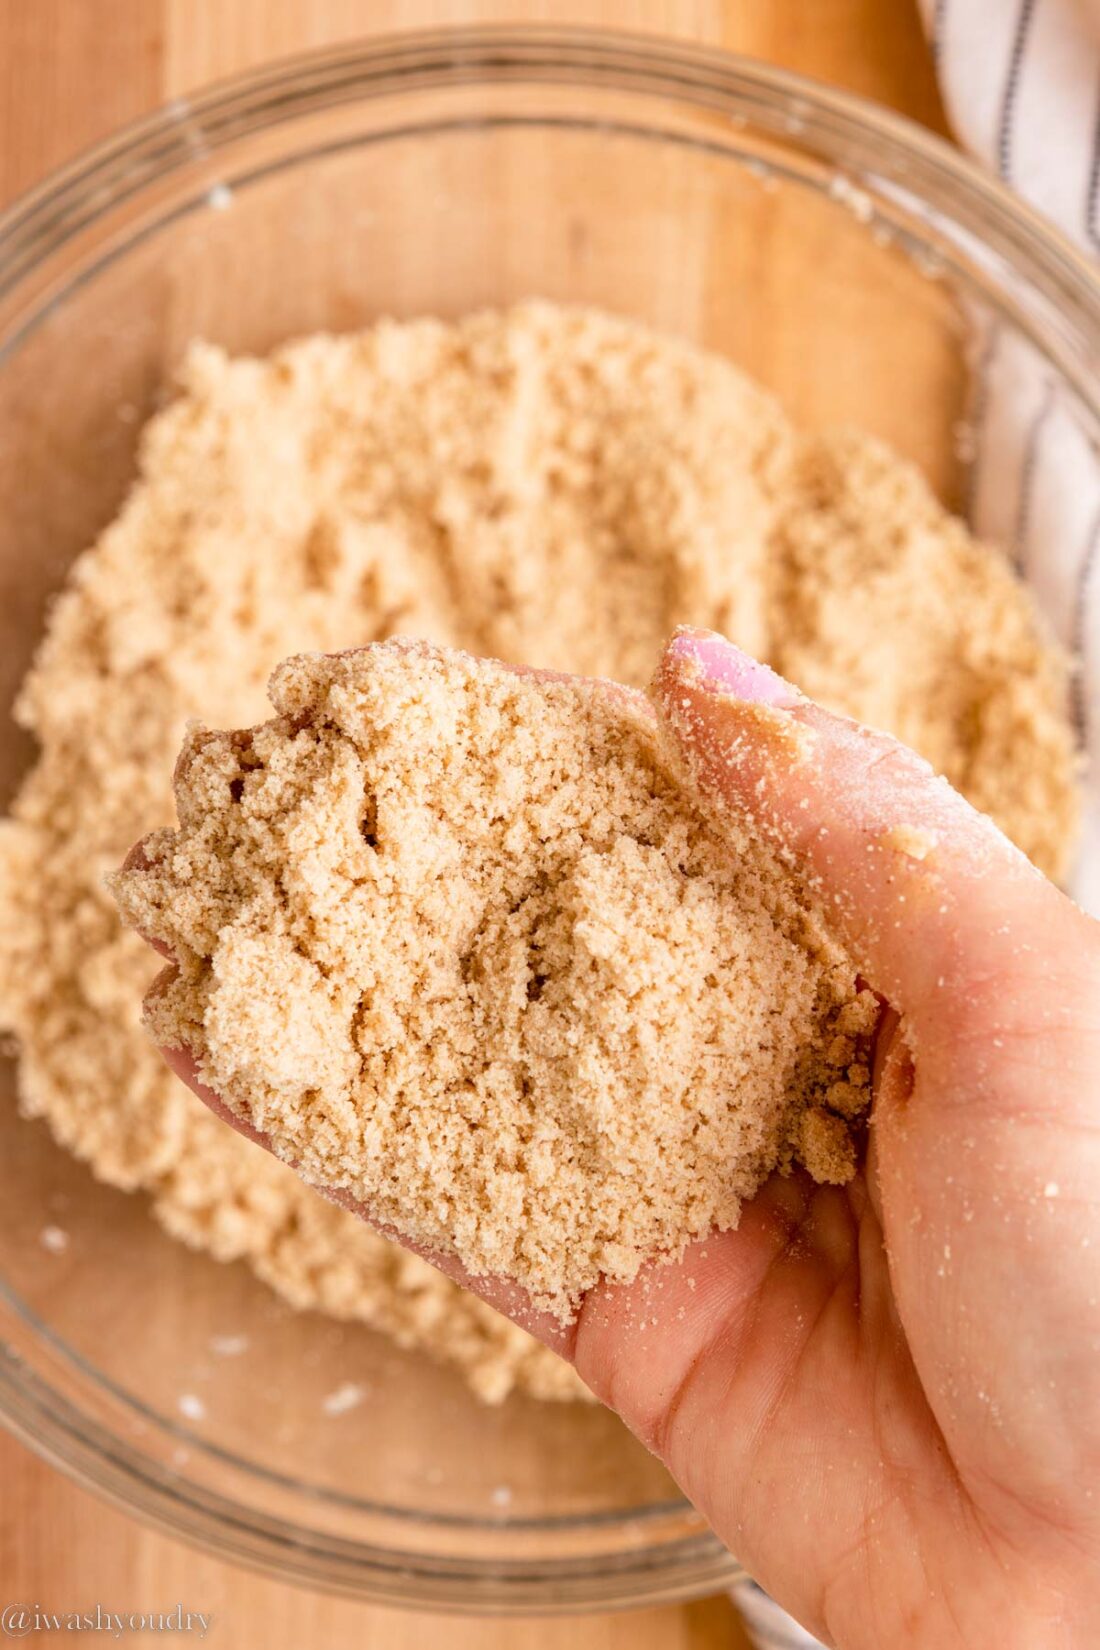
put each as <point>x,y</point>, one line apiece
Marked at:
<point>725,669</point>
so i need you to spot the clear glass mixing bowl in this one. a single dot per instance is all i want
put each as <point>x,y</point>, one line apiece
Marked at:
<point>834,251</point>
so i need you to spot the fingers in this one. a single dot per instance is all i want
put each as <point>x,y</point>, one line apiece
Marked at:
<point>940,912</point>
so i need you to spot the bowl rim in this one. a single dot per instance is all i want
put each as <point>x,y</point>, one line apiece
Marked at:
<point>43,219</point>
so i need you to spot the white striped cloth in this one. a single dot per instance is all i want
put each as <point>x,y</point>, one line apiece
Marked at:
<point>1021,81</point>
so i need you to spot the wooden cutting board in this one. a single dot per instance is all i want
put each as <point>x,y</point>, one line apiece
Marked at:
<point>70,70</point>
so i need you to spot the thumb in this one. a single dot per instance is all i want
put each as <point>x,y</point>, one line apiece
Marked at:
<point>940,912</point>
<point>984,1144</point>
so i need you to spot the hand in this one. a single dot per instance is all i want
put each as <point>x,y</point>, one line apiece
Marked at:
<point>886,1397</point>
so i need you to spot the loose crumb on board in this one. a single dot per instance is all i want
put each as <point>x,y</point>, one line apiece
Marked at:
<point>228,1346</point>
<point>348,1395</point>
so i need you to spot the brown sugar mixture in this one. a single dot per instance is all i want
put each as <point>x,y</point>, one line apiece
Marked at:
<point>458,941</point>
<point>545,485</point>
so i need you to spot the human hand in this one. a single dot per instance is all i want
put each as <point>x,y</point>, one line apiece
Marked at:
<point>886,1397</point>
<point>890,1404</point>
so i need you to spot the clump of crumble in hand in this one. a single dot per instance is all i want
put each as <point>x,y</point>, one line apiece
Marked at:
<point>460,942</point>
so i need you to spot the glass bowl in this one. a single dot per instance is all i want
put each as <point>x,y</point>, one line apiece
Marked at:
<point>837,253</point>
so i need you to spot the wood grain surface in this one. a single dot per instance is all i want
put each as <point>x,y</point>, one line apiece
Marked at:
<point>70,71</point>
